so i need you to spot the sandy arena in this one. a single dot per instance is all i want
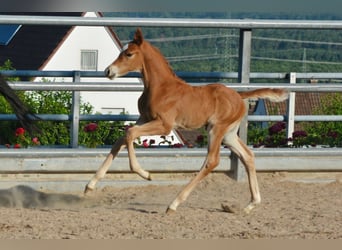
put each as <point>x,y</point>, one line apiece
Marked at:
<point>289,210</point>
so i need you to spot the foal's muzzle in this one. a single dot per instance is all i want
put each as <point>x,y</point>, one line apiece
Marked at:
<point>109,74</point>
<point>107,71</point>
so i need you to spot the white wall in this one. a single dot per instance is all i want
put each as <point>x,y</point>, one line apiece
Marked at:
<point>82,37</point>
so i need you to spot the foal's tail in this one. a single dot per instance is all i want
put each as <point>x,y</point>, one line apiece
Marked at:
<point>274,95</point>
<point>22,112</point>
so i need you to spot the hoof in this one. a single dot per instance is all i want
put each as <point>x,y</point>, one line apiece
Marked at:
<point>87,190</point>
<point>148,177</point>
<point>170,211</point>
<point>250,207</point>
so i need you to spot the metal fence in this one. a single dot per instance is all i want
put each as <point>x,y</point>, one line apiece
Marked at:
<point>76,86</point>
<point>242,77</point>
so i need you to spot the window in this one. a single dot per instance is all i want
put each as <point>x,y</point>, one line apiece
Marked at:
<point>89,59</point>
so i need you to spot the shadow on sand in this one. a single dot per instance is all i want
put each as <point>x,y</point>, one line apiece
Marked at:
<point>26,197</point>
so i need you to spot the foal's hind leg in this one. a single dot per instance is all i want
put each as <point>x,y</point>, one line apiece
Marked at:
<point>211,161</point>
<point>119,144</point>
<point>235,144</point>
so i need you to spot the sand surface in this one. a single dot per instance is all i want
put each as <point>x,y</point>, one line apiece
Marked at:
<point>289,210</point>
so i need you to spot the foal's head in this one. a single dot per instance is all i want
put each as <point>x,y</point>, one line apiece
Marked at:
<point>129,60</point>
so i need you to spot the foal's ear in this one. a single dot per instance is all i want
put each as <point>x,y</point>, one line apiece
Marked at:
<point>138,37</point>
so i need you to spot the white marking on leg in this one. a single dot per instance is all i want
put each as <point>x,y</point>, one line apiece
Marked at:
<point>247,157</point>
<point>102,170</point>
<point>209,164</point>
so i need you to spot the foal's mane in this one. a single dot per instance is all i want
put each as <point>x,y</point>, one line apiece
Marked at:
<point>162,57</point>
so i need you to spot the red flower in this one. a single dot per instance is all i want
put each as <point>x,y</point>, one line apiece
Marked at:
<point>332,134</point>
<point>35,140</point>
<point>19,131</point>
<point>91,127</point>
<point>200,139</point>
<point>17,145</point>
<point>145,143</point>
<point>276,128</point>
<point>299,133</point>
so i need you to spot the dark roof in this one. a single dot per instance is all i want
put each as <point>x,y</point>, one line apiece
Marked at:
<point>33,44</point>
<point>306,104</point>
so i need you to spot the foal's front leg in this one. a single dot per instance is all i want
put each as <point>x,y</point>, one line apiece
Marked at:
<point>155,127</point>
<point>119,144</point>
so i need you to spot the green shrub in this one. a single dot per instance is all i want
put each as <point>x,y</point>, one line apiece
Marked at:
<point>314,133</point>
<point>54,133</point>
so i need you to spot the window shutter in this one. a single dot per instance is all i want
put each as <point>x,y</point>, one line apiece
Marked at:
<point>89,59</point>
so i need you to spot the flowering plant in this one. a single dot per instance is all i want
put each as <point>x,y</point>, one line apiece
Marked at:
<point>202,139</point>
<point>148,143</point>
<point>299,138</point>
<point>22,139</point>
<point>92,138</point>
<point>276,137</point>
<point>91,127</point>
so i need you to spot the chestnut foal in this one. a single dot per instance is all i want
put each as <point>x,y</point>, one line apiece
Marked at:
<point>168,102</point>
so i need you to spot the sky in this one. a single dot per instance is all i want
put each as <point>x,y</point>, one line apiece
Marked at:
<point>311,6</point>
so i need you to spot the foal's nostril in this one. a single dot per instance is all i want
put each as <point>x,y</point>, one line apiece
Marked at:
<point>107,71</point>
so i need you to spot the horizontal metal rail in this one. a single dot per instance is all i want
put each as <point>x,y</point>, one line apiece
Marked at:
<point>122,86</point>
<point>62,160</point>
<point>69,170</point>
<point>162,152</point>
<point>65,117</point>
<point>96,117</point>
<point>171,22</point>
<point>134,87</point>
<point>181,74</point>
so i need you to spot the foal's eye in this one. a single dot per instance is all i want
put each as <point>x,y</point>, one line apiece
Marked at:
<point>128,54</point>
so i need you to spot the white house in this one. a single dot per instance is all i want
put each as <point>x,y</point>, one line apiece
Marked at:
<point>93,48</point>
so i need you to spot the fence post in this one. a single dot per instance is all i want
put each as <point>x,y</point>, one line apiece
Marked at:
<point>245,42</point>
<point>291,108</point>
<point>75,112</point>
